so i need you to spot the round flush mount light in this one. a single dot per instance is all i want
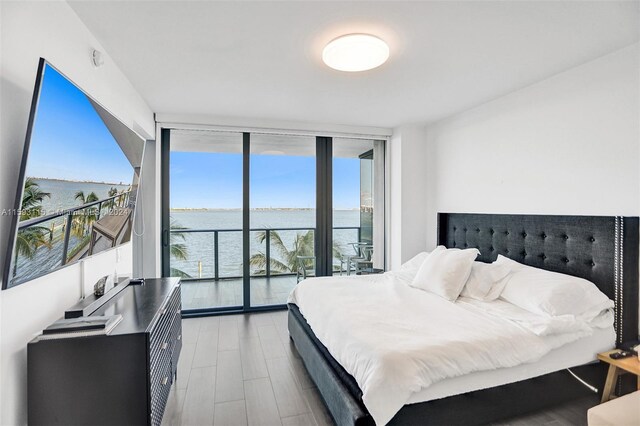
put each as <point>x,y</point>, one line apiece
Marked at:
<point>355,52</point>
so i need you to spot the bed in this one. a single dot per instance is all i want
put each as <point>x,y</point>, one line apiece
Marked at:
<point>603,250</point>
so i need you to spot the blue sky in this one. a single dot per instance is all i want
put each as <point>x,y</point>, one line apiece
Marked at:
<point>211,180</point>
<point>70,141</point>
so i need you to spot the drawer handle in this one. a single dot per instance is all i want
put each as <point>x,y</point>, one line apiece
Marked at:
<point>165,380</point>
<point>165,345</point>
<point>178,310</point>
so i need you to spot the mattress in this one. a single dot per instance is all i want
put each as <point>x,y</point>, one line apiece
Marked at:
<point>579,352</point>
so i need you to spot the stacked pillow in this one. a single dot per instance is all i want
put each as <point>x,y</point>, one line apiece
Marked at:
<point>450,273</point>
<point>550,293</point>
<point>445,271</point>
<point>486,281</point>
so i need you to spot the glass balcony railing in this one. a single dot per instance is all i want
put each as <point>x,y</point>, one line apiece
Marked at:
<point>214,254</point>
<point>62,237</point>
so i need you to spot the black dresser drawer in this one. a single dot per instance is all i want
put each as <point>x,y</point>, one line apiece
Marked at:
<point>121,378</point>
<point>165,342</point>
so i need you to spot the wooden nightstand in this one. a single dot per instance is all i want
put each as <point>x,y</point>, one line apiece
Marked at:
<point>616,368</point>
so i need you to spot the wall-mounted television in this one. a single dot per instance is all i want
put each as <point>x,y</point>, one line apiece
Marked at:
<point>78,181</point>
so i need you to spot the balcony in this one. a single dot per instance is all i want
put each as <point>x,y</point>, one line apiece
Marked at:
<point>210,263</point>
<point>57,239</point>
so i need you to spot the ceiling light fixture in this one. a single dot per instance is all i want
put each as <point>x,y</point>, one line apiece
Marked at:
<point>355,52</point>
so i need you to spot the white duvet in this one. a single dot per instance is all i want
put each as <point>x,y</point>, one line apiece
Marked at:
<point>396,340</point>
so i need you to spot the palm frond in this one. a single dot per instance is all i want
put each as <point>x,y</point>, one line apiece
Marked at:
<point>30,239</point>
<point>174,272</point>
<point>32,198</point>
<point>259,262</point>
<point>178,251</point>
<point>276,241</point>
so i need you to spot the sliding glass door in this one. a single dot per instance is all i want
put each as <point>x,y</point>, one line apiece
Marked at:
<point>358,206</point>
<point>282,215</point>
<point>246,216</point>
<point>206,209</point>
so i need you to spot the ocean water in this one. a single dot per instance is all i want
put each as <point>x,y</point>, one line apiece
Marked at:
<point>63,192</point>
<point>200,246</point>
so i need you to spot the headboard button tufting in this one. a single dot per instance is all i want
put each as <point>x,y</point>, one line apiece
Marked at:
<point>593,263</point>
<point>565,236</point>
<point>524,235</point>
<point>543,257</point>
<point>592,239</point>
<point>543,236</point>
<point>565,260</point>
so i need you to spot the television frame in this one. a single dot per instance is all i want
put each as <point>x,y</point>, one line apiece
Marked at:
<point>15,217</point>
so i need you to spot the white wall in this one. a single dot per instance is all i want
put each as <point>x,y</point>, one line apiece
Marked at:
<point>146,244</point>
<point>567,145</point>
<point>407,204</point>
<point>29,30</point>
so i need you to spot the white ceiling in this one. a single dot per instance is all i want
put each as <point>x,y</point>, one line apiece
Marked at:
<point>262,59</point>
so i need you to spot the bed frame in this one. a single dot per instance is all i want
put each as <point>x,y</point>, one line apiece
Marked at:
<point>602,249</point>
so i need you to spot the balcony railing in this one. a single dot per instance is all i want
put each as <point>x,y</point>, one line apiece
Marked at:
<point>118,200</point>
<point>267,249</point>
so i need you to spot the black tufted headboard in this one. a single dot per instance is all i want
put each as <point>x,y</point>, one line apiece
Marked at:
<point>601,249</point>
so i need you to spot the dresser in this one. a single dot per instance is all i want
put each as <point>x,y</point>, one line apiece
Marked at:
<point>116,379</point>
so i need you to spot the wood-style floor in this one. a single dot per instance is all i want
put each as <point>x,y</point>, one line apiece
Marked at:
<point>228,292</point>
<point>244,370</point>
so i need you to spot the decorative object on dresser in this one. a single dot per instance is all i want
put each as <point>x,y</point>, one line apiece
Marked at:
<point>121,376</point>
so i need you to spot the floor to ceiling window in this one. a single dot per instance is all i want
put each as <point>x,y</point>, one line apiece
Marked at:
<point>205,242</point>
<point>283,214</point>
<point>358,206</point>
<point>246,216</point>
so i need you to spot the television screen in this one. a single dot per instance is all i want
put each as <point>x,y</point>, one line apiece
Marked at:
<point>78,181</point>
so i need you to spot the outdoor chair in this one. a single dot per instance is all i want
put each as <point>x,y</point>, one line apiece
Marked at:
<point>350,260</point>
<point>366,262</point>
<point>306,267</point>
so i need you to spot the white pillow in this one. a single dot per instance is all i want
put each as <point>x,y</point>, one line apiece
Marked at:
<point>445,271</point>
<point>486,281</point>
<point>510,263</point>
<point>551,293</point>
<point>415,262</point>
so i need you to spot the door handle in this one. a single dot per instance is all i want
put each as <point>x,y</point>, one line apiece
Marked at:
<point>165,237</point>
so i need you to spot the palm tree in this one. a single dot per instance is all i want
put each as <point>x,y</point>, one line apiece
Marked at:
<point>123,196</point>
<point>83,221</point>
<point>112,193</point>
<point>31,238</point>
<point>303,245</point>
<point>177,249</point>
<point>32,199</point>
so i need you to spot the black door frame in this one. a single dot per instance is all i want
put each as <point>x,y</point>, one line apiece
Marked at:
<point>324,206</point>
<point>165,231</point>
<point>324,220</point>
